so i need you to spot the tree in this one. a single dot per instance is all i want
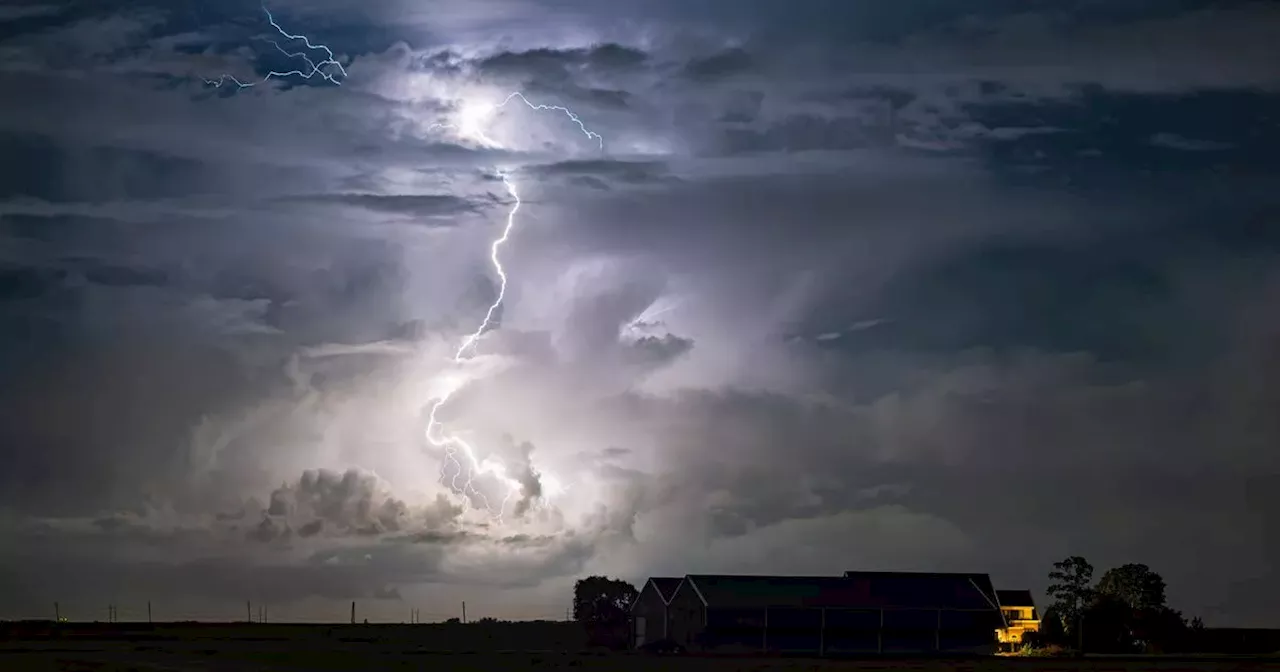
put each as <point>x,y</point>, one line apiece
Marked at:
<point>1149,622</point>
<point>600,599</point>
<point>1108,626</point>
<point>1162,630</point>
<point>1069,586</point>
<point>1052,630</point>
<point>1135,585</point>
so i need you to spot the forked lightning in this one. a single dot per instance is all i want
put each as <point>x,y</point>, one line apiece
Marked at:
<point>330,70</point>
<point>321,69</point>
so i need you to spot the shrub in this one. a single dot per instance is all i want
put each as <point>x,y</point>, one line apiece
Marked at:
<point>1046,651</point>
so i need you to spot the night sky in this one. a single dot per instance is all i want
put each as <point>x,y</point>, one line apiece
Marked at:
<point>964,285</point>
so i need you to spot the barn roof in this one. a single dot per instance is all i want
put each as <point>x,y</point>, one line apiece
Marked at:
<point>916,582</point>
<point>1015,598</point>
<point>666,586</point>
<point>855,590</point>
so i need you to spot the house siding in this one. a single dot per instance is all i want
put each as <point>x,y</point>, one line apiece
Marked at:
<point>649,607</point>
<point>686,617</point>
<point>822,621</point>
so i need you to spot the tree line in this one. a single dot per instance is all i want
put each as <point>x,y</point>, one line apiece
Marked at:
<point>1123,612</point>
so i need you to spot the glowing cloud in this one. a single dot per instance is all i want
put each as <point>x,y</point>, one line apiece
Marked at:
<point>472,123</point>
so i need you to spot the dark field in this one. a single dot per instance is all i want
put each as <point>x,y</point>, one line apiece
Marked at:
<point>491,648</point>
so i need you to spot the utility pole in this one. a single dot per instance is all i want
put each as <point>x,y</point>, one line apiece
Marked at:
<point>353,612</point>
<point>57,613</point>
<point>248,611</point>
<point>148,612</point>
<point>464,611</point>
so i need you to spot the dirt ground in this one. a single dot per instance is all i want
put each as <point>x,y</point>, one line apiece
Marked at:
<point>216,656</point>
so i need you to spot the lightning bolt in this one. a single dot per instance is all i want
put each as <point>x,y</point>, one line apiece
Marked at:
<point>457,450</point>
<point>316,68</point>
<point>452,443</point>
<point>591,135</point>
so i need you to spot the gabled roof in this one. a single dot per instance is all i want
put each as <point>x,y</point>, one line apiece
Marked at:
<point>666,586</point>
<point>963,586</point>
<point>868,590</point>
<point>1015,598</point>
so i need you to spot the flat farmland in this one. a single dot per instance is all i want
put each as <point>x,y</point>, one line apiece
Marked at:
<point>425,647</point>
<point>236,656</point>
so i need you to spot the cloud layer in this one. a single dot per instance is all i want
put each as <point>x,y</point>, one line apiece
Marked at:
<point>972,287</point>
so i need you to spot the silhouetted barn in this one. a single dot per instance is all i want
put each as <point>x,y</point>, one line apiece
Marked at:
<point>861,612</point>
<point>649,612</point>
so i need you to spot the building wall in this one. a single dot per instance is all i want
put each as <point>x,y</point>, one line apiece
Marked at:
<point>686,617</point>
<point>849,631</point>
<point>1021,620</point>
<point>648,617</point>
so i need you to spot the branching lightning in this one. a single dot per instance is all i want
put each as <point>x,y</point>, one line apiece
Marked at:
<point>320,68</point>
<point>451,443</point>
<point>591,135</point>
<point>472,128</point>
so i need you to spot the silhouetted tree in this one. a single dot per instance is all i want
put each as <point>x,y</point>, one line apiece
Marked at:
<point>602,604</point>
<point>1135,585</point>
<point>1149,623</point>
<point>600,599</point>
<point>1163,630</point>
<point>1070,587</point>
<point>1107,626</point>
<point>1052,629</point>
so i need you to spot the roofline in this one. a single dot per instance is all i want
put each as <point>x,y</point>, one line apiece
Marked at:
<point>1031,603</point>
<point>894,572</point>
<point>994,605</point>
<point>969,576</point>
<point>665,601</point>
<point>694,585</point>
<point>647,583</point>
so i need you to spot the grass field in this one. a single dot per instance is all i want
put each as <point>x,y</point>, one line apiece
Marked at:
<point>283,647</point>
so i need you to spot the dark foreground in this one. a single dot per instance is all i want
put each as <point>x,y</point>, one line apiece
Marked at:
<point>235,647</point>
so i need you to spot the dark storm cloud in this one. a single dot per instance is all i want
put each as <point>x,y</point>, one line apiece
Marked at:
<point>434,206</point>
<point>1016,428</point>
<point>895,285</point>
<point>561,64</point>
<point>719,66</point>
<point>603,174</point>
